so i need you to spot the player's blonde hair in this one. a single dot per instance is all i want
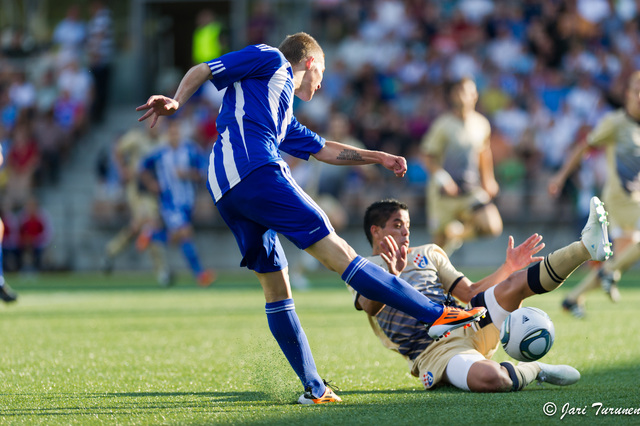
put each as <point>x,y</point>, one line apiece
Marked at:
<point>300,46</point>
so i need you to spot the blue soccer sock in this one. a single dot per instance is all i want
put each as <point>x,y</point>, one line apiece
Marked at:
<point>377,284</point>
<point>160,235</point>
<point>286,328</point>
<point>189,251</point>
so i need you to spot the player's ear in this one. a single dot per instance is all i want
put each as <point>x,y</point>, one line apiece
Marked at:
<point>309,62</point>
<point>375,231</point>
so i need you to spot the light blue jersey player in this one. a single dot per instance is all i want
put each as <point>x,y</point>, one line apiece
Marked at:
<point>257,197</point>
<point>172,171</point>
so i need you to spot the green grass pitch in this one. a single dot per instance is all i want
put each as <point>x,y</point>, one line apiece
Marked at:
<point>87,349</point>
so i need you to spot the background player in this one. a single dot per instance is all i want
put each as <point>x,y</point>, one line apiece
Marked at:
<point>463,359</point>
<point>172,172</point>
<point>457,154</point>
<point>130,149</point>
<point>619,132</point>
<point>257,198</point>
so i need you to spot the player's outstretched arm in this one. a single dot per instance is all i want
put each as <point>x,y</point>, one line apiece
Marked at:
<point>440,175</point>
<point>517,258</point>
<point>570,164</point>
<point>487,176</point>
<point>346,155</point>
<point>522,256</point>
<point>159,105</point>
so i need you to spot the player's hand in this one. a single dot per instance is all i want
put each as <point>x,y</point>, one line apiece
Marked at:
<point>395,163</point>
<point>450,189</point>
<point>395,257</point>
<point>555,185</point>
<point>492,188</point>
<point>158,105</point>
<point>524,255</point>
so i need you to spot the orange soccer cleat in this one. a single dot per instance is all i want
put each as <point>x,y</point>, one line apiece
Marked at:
<point>328,396</point>
<point>453,318</point>
<point>143,240</point>
<point>206,278</point>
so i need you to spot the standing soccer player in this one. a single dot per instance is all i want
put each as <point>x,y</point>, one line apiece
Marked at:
<point>172,172</point>
<point>257,197</point>
<point>619,132</point>
<point>457,154</point>
<point>131,148</point>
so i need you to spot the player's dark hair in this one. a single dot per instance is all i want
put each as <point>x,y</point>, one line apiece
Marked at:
<point>299,46</point>
<point>379,213</point>
<point>450,86</point>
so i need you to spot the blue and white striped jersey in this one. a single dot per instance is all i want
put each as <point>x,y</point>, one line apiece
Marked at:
<point>256,117</point>
<point>165,163</point>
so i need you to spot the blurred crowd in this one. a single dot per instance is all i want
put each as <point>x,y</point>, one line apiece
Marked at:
<point>50,95</point>
<point>545,71</point>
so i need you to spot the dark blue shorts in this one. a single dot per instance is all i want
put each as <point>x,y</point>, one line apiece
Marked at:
<point>175,217</point>
<point>266,202</point>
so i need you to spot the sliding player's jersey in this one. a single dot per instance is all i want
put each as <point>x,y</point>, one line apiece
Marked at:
<point>621,135</point>
<point>166,164</point>
<point>431,273</point>
<point>256,117</point>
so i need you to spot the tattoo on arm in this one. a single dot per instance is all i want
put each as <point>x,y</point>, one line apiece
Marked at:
<point>349,155</point>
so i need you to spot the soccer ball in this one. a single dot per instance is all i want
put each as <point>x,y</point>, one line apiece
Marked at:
<point>527,334</point>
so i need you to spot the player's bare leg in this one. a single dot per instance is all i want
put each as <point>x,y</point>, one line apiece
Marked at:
<point>487,221</point>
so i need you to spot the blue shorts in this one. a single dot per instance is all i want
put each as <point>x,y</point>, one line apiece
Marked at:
<point>175,218</point>
<point>266,202</point>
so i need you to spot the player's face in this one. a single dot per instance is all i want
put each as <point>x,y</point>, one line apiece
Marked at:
<point>397,226</point>
<point>633,96</point>
<point>466,95</point>
<point>312,78</point>
<point>173,134</point>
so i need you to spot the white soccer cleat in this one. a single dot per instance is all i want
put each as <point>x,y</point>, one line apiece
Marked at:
<point>594,234</point>
<point>574,308</point>
<point>559,375</point>
<point>609,283</point>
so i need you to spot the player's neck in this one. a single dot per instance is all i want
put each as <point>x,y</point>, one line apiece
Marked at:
<point>461,113</point>
<point>298,74</point>
<point>634,115</point>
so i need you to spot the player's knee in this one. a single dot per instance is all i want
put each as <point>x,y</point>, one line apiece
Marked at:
<point>488,221</point>
<point>488,376</point>
<point>492,228</point>
<point>333,252</point>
